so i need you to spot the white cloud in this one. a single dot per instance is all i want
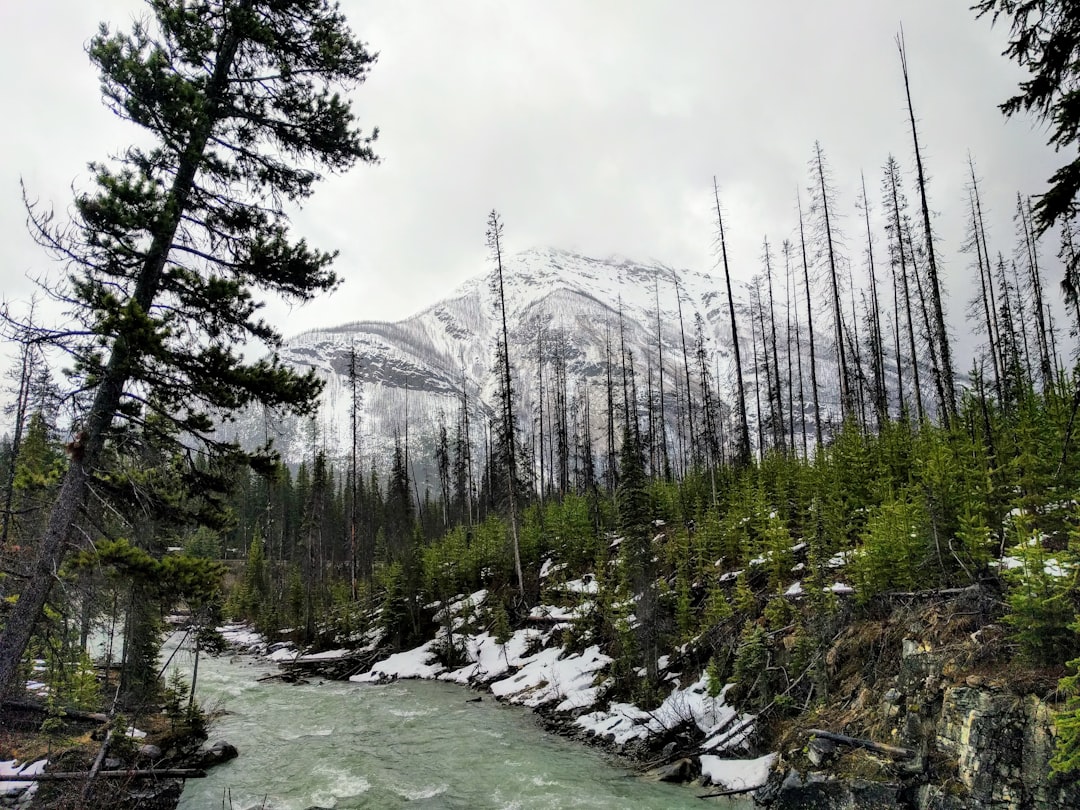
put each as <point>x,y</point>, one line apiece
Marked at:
<point>592,126</point>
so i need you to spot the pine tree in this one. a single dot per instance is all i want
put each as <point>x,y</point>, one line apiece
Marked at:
<point>239,101</point>
<point>1045,39</point>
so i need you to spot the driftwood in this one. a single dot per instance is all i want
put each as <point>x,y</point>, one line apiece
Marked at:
<point>62,776</point>
<point>728,792</point>
<point>334,669</point>
<point>869,745</point>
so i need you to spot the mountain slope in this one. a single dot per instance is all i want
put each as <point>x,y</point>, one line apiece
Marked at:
<point>419,367</point>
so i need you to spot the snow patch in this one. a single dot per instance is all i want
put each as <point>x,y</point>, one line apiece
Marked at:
<point>736,774</point>
<point>417,663</point>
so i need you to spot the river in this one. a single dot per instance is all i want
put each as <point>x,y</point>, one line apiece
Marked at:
<point>415,744</point>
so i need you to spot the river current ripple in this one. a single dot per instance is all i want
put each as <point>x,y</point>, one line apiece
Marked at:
<point>412,744</point>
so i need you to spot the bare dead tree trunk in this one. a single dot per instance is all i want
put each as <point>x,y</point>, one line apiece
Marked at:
<point>846,404</point>
<point>742,447</point>
<point>810,329</point>
<point>941,333</point>
<point>663,415</point>
<point>686,369</point>
<point>775,357</point>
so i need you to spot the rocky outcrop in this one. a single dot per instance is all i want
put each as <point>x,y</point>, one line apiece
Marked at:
<point>1002,744</point>
<point>978,744</point>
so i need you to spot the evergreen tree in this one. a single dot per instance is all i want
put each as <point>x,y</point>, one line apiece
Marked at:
<point>1045,40</point>
<point>239,101</point>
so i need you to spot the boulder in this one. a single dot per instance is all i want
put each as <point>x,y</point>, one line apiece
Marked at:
<point>681,770</point>
<point>814,790</point>
<point>215,754</point>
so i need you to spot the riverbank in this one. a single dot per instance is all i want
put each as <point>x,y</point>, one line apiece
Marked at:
<point>406,743</point>
<point>923,705</point>
<point>694,735</point>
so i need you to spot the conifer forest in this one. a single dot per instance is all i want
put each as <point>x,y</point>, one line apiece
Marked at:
<point>859,477</point>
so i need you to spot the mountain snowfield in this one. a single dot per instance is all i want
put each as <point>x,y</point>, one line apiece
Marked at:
<point>416,369</point>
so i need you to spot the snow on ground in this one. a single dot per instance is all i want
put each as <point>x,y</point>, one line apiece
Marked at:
<point>12,768</point>
<point>241,635</point>
<point>561,614</point>
<point>489,660</point>
<point>549,568</point>
<point>527,671</point>
<point>282,651</point>
<point>736,774</point>
<point>548,676</point>
<point>461,608</point>
<point>623,722</point>
<point>417,663</point>
<point>587,584</point>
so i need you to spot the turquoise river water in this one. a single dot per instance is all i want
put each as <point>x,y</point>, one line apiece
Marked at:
<point>412,744</point>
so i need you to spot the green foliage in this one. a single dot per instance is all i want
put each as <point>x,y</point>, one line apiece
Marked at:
<point>1044,39</point>
<point>72,682</point>
<point>745,600</point>
<point>751,661</point>
<point>895,551</point>
<point>500,623</point>
<point>714,683</point>
<point>1066,757</point>
<point>1041,599</point>
<point>203,542</point>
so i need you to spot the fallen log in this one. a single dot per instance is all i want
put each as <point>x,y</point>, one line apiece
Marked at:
<point>728,792</point>
<point>68,714</point>
<point>62,776</point>
<point>859,742</point>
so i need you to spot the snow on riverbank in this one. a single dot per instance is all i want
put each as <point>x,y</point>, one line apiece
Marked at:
<point>736,774</point>
<point>531,670</point>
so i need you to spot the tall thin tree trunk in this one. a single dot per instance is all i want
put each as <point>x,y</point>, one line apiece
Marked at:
<point>663,415</point>
<point>64,513</point>
<point>21,404</point>
<point>757,384</point>
<point>540,401</point>
<point>495,242</point>
<point>786,248</point>
<point>941,333</point>
<point>793,293</point>
<point>881,398</point>
<point>775,356</point>
<point>846,404</point>
<point>1046,367</point>
<point>984,270</point>
<point>742,449</point>
<point>810,330</point>
<point>686,369</point>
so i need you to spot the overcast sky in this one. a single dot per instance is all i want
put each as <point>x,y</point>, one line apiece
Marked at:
<point>594,126</point>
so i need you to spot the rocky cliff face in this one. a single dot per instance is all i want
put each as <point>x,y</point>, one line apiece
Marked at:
<point>978,740</point>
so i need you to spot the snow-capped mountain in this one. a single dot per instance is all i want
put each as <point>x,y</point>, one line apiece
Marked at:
<point>420,366</point>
